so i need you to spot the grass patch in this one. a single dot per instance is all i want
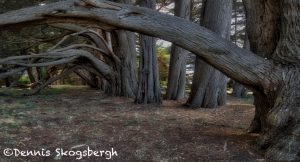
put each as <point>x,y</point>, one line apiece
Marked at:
<point>14,92</point>
<point>53,90</point>
<point>10,109</point>
<point>24,80</point>
<point>12,125</point>
<point>249,99</point>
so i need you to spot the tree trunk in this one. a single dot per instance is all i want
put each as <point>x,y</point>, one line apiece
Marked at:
<point>148,86</point>
<point>125,49</point>
<point>274,80</point>
<point>94,81</point>
<point>209,84</point>
<point>177,69</point>
<point>30,75</point>
<point>238,89</point>
<point>124,46</point>
<point>39,73</point>
<point>277,114</point>
<point>262,31</point>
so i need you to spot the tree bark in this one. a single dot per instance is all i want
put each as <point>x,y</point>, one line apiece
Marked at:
<point>274,80</point>
<point>148,85</point>
<point>238,89</point>
<point>273,30</point>
<point>177,69</point>
<point>262,31</point>
<point>221,54</point>
<point>124,46</point>
<point>125,49</point>
<point>209,84</point>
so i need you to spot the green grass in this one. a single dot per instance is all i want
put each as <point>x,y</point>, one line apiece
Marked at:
<point>13,92</point>
<point>24,80</point>
<point>12,125</point>
<point>53,90</point>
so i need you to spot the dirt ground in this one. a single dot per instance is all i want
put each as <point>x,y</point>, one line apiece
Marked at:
<point>77,118</point>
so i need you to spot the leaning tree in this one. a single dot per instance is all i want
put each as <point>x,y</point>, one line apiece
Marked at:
<point>273,76</point>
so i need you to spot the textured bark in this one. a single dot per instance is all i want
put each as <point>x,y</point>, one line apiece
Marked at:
<point>125,49</point>
<point>124,46</point>
<point>275,80</point>
<point>88,78</point>
<point>209,84</point>
<point>273,30</point>
<point>51,80</point>
<point>222,54</point>
<point>263,34</point>
<point>177,69</point>
<point>148,85</point>
<point>238,89</point>
<point>60,57</point>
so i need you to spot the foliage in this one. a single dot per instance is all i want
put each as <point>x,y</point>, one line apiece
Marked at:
<point>163,56</point>
<point>24,80</point>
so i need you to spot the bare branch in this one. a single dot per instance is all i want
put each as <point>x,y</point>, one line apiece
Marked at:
<point>64,56</point>
<point>239,64</point>
<point>12,72</point>
<point>63,74</point>
<point>44,64</point>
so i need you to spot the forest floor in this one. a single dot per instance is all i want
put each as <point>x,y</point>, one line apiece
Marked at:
<point>77,118</point>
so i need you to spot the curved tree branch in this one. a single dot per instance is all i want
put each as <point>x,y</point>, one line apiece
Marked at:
<point>63,74</point>
<point>241,65</point>
<point>12,72</point>
<point>62,57</point>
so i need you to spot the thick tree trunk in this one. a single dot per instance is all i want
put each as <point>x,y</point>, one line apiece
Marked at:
<point>177,69</point>
<point>124,45</point>
<point>277,114</point>
<point>276,79</point>
<point>125,49</point>
<point>262,31</point>
<point>148,86</point>
<point>209,84</point>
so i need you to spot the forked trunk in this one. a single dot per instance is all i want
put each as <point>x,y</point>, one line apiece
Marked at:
<point>277,114</point>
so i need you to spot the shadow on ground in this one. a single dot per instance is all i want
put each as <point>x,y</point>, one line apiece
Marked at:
<point>74,119</point>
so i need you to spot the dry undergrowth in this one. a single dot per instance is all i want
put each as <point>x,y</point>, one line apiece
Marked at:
<point>81,118</point>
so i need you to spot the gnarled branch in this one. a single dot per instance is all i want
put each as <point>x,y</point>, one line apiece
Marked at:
<point>239,64</point>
